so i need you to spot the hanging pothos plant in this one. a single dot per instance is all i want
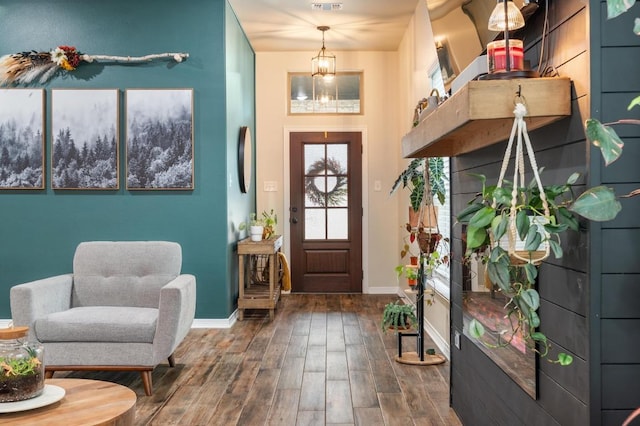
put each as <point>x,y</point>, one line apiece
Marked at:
<point>489,221</point>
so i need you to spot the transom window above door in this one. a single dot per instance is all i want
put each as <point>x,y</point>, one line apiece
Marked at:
<point>321,95</point>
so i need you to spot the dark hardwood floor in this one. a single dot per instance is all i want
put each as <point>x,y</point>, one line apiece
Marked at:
<point>323,360</point>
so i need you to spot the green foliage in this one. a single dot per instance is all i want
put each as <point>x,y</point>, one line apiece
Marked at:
<point>488,218</point>
<point>397,315</point>
<point>413,178</point>
<point>269,221</point>
<point>410,272</point>
<point>618,7</point>
<point>10,366</point>
<point>597,204</point>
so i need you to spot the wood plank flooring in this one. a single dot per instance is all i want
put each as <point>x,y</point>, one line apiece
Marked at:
<point>323,360</point>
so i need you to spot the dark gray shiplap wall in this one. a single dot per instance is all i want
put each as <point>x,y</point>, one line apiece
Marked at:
<point>615,268</point>
<point>481,393</point>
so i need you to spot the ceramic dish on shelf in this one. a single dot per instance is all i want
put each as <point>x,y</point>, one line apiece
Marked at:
<point>49,395</point>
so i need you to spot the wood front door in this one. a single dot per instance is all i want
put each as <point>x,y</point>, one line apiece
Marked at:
<point>326,212</point>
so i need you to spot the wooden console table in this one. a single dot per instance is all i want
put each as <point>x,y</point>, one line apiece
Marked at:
<point>253,296</point>
<point>86,402</point>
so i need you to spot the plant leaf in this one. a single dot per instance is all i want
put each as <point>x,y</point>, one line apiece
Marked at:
<point>566,217</point>
<point>502,196</point>
<point>531,271</point>
<point>573,178</point>
<point>618,7</point>
<point>499,274</point>
<point>564,359</point>
<point>636,29</point>
<point>539,337</point>
<point>522,224</point>
<point>598,203</point>
<point>556,248</point>
<point>482,217</point>
<point>475,237</point>
<point>531,298</point>
<point>636,101</point>
<point>605,138</point>
<point>499,226</point>
<point>534,320</point>
<point>533,239</point>
<point>470,210</point>
<point>476,329</point>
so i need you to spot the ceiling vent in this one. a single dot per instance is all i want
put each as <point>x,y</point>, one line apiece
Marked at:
<point>326,7</point>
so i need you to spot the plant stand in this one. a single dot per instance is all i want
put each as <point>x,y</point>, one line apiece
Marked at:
<point>419,357</point>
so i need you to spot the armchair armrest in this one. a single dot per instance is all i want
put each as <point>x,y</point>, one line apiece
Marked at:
<point>176,312</point>
<point>35,299</point>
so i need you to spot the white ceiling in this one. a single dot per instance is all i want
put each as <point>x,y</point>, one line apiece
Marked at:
<point>291,25</point>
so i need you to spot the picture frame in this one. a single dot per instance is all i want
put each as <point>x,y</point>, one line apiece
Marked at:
<point>159,141</point>
<point>22,144</point>
<point>85,139</point>
<point>448,66</point>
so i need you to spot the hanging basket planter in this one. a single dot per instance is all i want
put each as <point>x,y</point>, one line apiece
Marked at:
<point>427,241</point>
<point>517,247</point>
<point>525,240</point>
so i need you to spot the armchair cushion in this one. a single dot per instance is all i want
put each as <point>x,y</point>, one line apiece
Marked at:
<point>105,271</point>
<point>98,324</point>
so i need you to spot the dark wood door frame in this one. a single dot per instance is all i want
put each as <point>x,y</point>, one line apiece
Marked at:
<point>344,255</point>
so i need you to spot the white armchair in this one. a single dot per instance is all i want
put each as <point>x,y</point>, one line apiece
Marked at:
<point>126,306</point>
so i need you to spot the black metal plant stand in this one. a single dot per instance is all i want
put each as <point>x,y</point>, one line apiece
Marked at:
<point>419,357</point>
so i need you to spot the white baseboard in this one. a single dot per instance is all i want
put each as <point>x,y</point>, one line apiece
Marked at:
<point>437,339</point>
<point>215,323</point>
<point>384,290</point>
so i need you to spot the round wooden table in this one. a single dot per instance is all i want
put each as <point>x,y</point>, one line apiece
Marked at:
<point>86,402</point>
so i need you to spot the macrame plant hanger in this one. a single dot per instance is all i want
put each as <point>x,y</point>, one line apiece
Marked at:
<point>520,134</point>
<point>429,236</point>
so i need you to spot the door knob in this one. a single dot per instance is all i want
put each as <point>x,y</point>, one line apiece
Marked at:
<point>294,220</point>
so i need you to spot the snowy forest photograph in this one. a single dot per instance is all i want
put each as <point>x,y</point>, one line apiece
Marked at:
<point>21,138</point>
<point>84,132</point>
<point>159,138</point>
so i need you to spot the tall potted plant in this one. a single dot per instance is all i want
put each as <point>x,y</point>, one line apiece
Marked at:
<point>424,178</point>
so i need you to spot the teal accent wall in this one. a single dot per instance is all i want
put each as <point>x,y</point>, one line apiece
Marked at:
<point>39,230</point>
<point>241,94</point>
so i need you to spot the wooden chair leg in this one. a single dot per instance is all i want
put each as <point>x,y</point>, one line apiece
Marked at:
<point>146,381</point>
<point>172,361</point>
<point>48,374</point>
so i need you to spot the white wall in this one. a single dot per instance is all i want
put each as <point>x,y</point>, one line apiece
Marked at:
<point>394,82</point>
<point>381,143</point>
<point>417,55</point>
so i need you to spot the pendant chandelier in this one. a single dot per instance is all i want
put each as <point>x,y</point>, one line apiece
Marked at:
<point>324,64</point>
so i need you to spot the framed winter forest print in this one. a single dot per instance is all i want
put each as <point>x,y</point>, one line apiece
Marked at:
<point>159,139</point>
<point>21,139</point>
<point>84,139</point>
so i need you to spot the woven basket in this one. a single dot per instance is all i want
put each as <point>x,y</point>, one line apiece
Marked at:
<point>428,241</point>
<point>514,245</point>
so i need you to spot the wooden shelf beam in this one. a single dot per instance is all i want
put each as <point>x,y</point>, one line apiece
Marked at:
<point>481,114</point>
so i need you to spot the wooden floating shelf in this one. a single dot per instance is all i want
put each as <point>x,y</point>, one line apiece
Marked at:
<point>481,114</point>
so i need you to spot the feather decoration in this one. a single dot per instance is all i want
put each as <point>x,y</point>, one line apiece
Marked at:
<point>24,67</point>
<point>28,67</point>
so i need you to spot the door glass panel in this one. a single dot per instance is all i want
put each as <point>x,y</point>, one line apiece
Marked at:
<point>314,160</point>
<point>338,224</point>
<point>315,224</point>
<point>326,187</point>
<point>337,159</point>
<point>314,191</point>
